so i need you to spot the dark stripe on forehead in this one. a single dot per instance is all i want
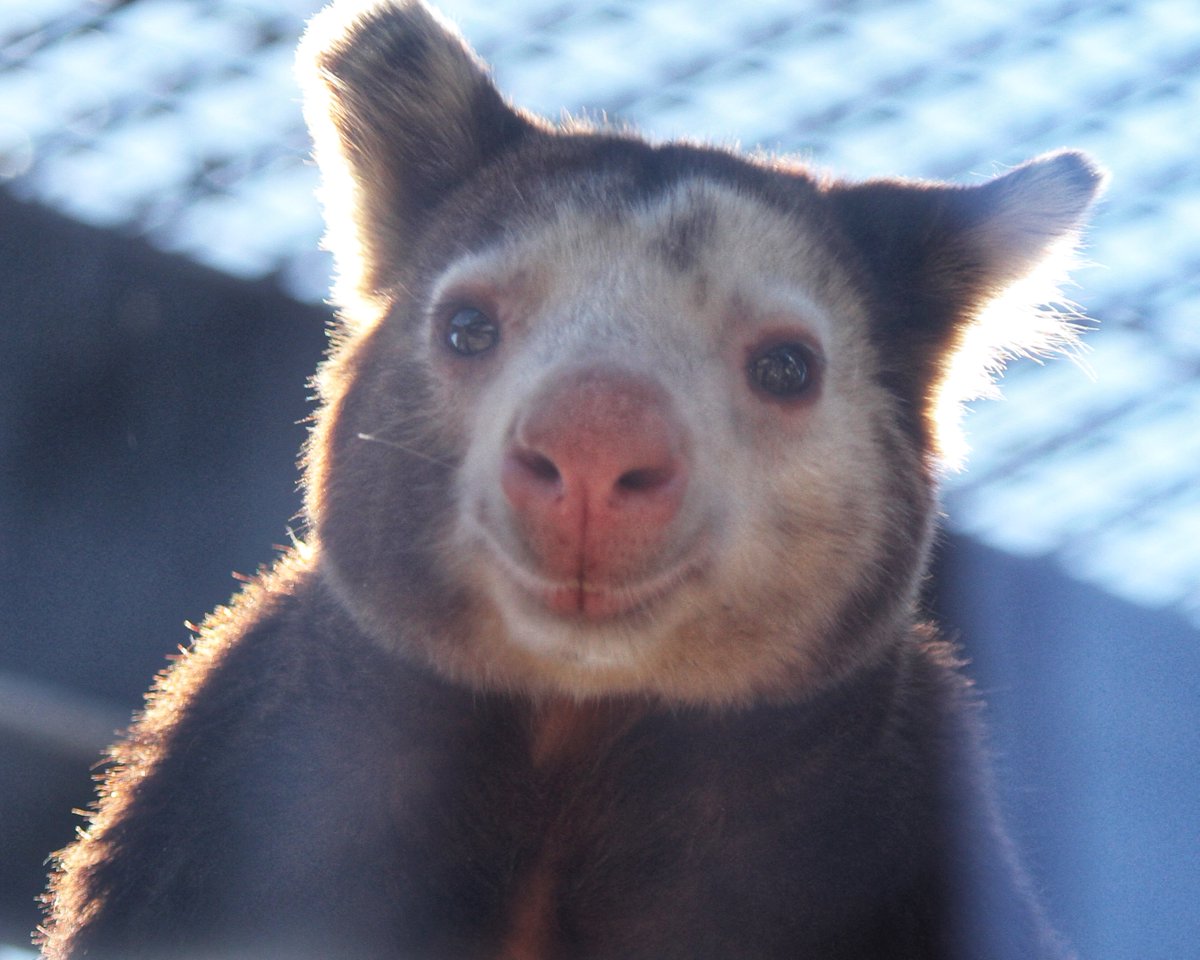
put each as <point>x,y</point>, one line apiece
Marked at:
<point>608,176</point>
<point>685,234</point>
<point>618,172</point>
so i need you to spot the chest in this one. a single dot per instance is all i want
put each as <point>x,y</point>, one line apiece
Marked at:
<point>626,834</point>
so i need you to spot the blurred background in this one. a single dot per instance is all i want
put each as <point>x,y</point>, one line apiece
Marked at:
<point>161,306</point>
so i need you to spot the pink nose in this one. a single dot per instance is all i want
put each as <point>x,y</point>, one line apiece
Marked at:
<point>595,473</point>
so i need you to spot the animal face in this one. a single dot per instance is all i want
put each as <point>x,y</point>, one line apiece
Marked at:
<point>631,418</point>
<point>651,431</point>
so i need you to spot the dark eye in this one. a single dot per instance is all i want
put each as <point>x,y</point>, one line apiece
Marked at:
<point>785,370</point>
<point>471,332</point>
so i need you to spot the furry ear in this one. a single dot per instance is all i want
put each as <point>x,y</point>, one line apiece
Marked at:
<point>974,267</point>
<point>401,111</point>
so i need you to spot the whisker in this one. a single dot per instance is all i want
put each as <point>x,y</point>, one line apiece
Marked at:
<point>400,446</point>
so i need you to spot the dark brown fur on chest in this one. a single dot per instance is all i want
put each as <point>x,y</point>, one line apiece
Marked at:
<point>642,826</point>
<point>568,745</point>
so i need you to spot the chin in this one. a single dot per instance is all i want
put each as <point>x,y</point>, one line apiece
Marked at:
<point>598,643</point>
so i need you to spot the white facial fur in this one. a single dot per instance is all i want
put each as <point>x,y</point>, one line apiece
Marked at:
<point>785,508</point>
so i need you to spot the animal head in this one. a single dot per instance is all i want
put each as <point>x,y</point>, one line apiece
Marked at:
<point>606,416</point>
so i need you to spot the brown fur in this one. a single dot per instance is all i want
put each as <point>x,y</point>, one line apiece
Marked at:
<point>596,648</point>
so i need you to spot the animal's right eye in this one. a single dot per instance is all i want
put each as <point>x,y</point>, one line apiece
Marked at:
<point>471,332</point>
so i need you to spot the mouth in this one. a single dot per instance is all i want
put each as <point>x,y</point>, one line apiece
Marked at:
<point>592,602</point>
<point>595,601</point>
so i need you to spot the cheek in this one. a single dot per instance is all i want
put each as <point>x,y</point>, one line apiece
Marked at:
<point>838,459</point>
<point>481,422</point>
<point>464,394</point>
<point>805,485</point>
<point>483,411</point>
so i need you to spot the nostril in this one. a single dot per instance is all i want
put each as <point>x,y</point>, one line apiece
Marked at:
<point>532,482</point>
<point>644,479</point>
<point>540,466</point>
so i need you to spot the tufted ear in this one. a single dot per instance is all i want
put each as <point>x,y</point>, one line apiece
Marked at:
<point>958,267</point>
<point>401,112</point>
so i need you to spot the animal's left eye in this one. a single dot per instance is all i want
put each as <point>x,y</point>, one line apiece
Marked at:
<point>786,370</point>
<point>471,332</point>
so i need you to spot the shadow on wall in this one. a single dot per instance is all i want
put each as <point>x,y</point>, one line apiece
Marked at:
<point>149,428</point>
<point>1095,727</point>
